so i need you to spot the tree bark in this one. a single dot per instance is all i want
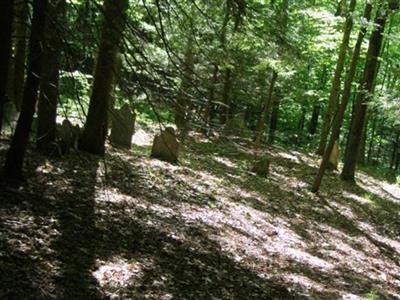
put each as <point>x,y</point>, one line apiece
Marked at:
<point>335,89</point>
<point>361,152</point>
<point>371,140</point>
<point>182,103</point>
<point>6,20</point>
<point>339,116</point>
<point>363,96</point>
<point>339,8</point>
<point>273,125</point>
<point>266,109</point>
<point>228,77</point>
<point>312,128</point>
<point>21,31</point>
<point>95,130</point>
<point>49,93</point>
<point>396,146</point>
<point>397,164</point>
<point>226,97</point>
<point>16,153</point>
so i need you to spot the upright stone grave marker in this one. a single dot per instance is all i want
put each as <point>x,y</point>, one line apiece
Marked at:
<point>166,146</point>
<point>123,127</point>
<point>68,135</point>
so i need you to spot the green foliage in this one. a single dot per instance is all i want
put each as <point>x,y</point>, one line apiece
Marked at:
<point>372,295</point>
<point>75,92</point>
<point>297,39</point>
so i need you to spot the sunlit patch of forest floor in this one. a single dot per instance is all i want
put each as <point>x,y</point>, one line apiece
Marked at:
<point>132,227</point>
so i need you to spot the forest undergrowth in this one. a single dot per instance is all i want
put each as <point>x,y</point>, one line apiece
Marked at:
<point>131,227</point>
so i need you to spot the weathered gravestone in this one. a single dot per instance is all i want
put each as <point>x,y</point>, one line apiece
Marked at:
<point>68,135</point>
<point>235,125</point>
<point>334,157</point>
<point>261,167</point>
<point>123,127</point>
<point>166,146</point>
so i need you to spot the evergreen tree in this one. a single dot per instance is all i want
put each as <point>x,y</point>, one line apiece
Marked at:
<point>95,130</point>
<point>6,20</point>
<point>16,153</point>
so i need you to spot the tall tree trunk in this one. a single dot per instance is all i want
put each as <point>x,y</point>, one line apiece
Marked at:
<point>229,74</point>
<point>339,8</point>
<point>300,126</point>
<point>16,153</point>
<point>364,95</point>
<point>6,20</point>
<point>266,109</point>
<point>338,120</point>
<point>312,128</point>
<point>49,93</point>
<point>371,140</point>
<point>335,89</point>
<point>209,113</point>
<point>397,164</point>
<point>21,32</point>
<point>361,152</point>
<point>182,103</point>
<point>95,129</point>
<point>396,146</point>
<point>274,119</point>
<point>226,96</point>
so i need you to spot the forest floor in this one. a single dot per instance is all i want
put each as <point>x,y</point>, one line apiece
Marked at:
<point>132,227</point>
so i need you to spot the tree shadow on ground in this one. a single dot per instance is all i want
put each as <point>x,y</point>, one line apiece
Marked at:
<point>75,247</point>
<point>135,222</point>
<point>82,229</point>
<point>186,264</point>
<point>55,212</point>
<point>290,202</point>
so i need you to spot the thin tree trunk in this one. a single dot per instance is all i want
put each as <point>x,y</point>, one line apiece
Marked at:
<point>274,119</point>
<point>396,146</point>
<point>397,165</point>
<point>266,109</point>
<point>211,95</point>
<point>16,153</point>
<point>335,89</point>
<point>364,95</point>
<point>339,8</point>
<point>49,93</point>
<point>182,103</point>
<point>312,128</point>
<point>95,129</point>
<point>226,97</point>
<point>300,126</point>
<point>361,153</point>
<point>338,120</point>
<point>371,140</point>
<point>229,74</point>
<point>6,20</point>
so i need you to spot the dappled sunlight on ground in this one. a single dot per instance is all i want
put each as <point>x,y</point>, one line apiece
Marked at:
<point>208,228</point>
<point>119,273</point>
<point>383,189</point>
